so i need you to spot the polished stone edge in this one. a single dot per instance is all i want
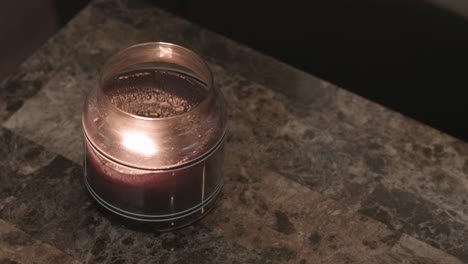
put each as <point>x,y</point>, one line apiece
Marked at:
<point>38,69</point>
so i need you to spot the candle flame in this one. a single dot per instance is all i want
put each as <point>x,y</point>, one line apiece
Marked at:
<point>165,52</point>
<point>139,142</point>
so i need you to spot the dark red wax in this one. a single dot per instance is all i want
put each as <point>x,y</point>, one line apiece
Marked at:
<point>160,192</point>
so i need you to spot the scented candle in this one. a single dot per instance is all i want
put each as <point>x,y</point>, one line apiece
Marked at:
<point>154,130</point>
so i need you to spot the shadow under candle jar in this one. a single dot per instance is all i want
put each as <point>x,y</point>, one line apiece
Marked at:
<point>154,134</point>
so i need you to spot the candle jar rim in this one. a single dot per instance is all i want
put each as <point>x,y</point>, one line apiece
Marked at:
<point>123,52</point>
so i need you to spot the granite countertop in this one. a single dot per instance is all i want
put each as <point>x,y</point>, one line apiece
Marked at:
<point>314,174</point>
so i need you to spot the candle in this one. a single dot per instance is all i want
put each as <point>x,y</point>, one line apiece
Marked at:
<point>154,132</point>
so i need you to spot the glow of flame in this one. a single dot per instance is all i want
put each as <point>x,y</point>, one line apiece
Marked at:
<point>139,142</point>
<point>165,52</point>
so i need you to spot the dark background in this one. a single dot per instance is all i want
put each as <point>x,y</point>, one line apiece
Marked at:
<point>408,55</point>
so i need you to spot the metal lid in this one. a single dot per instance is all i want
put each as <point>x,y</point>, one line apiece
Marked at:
<point>155,108</point>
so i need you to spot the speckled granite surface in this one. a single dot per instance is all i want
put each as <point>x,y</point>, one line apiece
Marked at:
<point>314,174</point>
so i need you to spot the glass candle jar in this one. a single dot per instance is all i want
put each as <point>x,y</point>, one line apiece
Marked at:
<point>154,133</point>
